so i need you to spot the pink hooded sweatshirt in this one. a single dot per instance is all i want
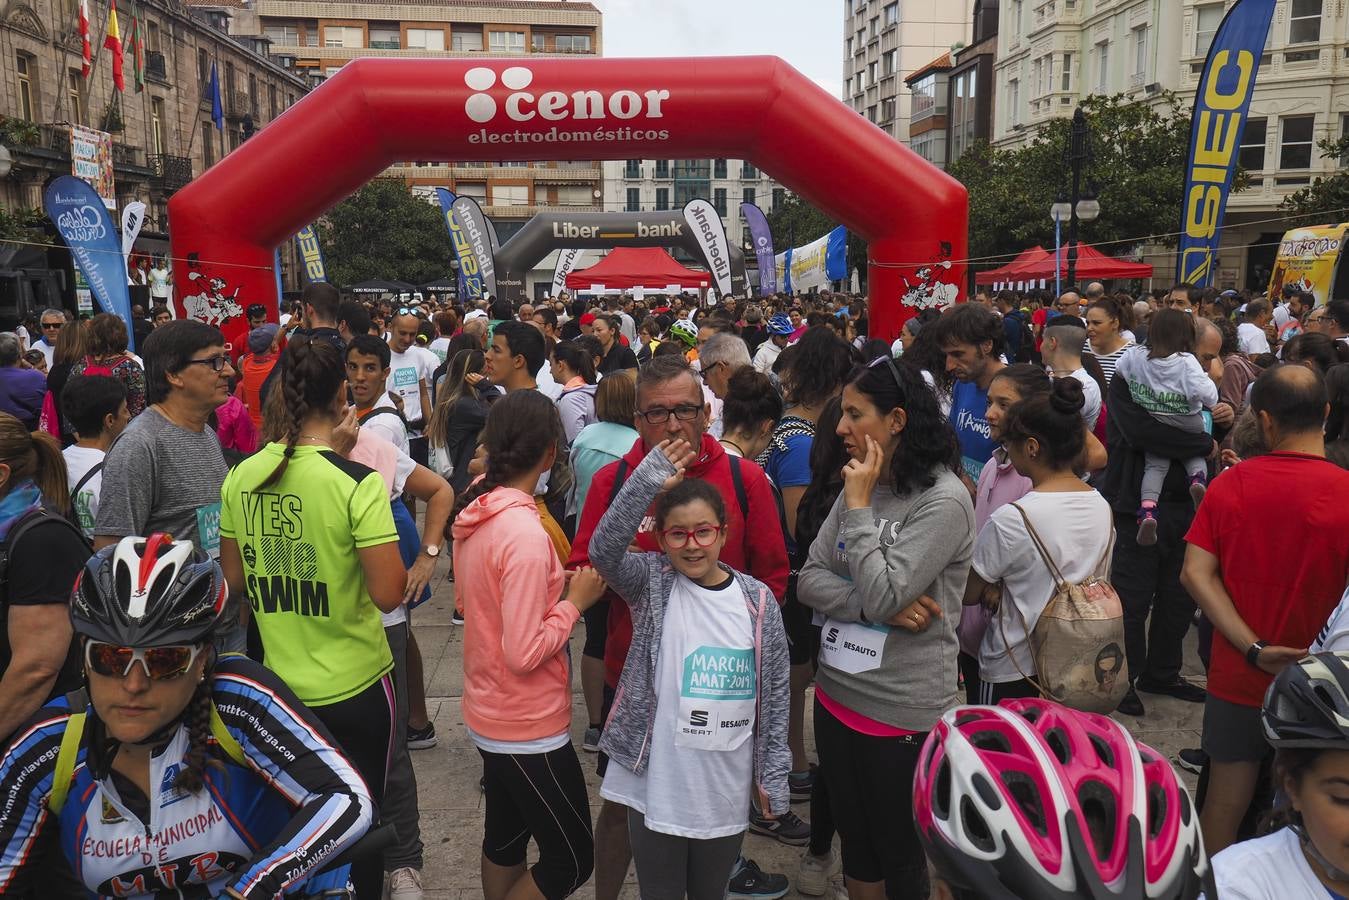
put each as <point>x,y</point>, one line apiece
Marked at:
<point>517,676</point>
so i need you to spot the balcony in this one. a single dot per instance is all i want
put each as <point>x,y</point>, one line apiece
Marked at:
<point>529,212</point>
<point>566,176</point>
<point>235,102</point>
<point>170,172</point>
<point>155,66</point>
<point>385,45</point>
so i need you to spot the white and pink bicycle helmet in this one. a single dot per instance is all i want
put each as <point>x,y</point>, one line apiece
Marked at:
<point>1035,801</point>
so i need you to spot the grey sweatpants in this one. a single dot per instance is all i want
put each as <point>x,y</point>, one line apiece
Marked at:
<point>400,788</point>
<point>1155,467</point>
<point>671,867</point>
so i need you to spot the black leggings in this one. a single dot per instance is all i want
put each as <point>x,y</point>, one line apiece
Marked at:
<point>543,796</point>
<point>991,693</point>
<point>363,727</point>
<point>871,792</point>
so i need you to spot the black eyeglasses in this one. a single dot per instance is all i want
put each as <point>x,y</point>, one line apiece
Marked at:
<point>217,363</point>
<point>659,415</point>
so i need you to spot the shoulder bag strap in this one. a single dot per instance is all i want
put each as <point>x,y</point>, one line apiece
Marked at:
<point>1002,630</point>
<point>225,739</point>
<point>620,476</point>
<point>1040,547</point>
<point>65,762</point>
<point>738,481</point>
<point>94,470</point>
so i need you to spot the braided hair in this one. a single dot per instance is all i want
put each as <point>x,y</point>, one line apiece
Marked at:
<point>520,429</point>
<point>197,717</point>
<point>312,373</point>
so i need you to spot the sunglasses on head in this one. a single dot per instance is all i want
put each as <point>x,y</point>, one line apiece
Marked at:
<point>160,663</point>
<point>894,372</point>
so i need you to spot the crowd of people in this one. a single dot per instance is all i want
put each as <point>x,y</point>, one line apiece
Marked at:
<point>966,547</point>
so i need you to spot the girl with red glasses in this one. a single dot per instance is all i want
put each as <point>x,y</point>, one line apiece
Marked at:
<point>698,730</point>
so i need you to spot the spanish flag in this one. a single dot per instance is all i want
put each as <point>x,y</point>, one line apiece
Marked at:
<point>114,43</point>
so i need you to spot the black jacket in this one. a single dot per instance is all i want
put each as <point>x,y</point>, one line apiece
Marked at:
<point>1130,430</point>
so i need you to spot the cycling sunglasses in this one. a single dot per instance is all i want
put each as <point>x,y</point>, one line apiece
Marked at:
<point>160,663</point>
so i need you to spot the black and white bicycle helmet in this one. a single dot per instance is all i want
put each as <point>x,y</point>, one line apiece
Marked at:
<point>1307,705</point>
<point>149,592</point>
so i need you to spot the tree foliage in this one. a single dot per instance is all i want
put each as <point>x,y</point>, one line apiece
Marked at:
<point>795,223</point>
<point>383,231</point>
<point>1138,170</point>
<point>1326,199</point>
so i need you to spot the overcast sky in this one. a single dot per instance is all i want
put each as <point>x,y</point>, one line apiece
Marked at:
<point>806,33</point>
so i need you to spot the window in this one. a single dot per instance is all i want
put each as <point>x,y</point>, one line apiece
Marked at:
<point>427,39</point>
<point>510,195</point>
<point>861,80</point>
<point>271,102</point>
<point>871,114</point>
<point>719,168</point>
<point>1103,67</point>
<point>311,36</point>
<point>1252,155</point>
<point>208,143</point>
<point>963,113</point>
<point>285,35</point>
<point>204,72</point>
<point>871,73</point>
<point>750,195</point>
<point>634,199</point>
<point>1066,76</point>
<point>662,198</point>
<point>1295,146</point>
<point>925,95</point>
<point>1304,22</point>
<point>849,53</point>
<point>157,121</point>
<point>1140,36</point>
<point>253,95</point>
<point>573,43</point>
<point>75,95</point>
<point>875,28</point>
<point>662,168</point>
<point>385,38</point>
<point>887,110</point>
<point>748,170</point>
<point>890,62</point>
<point>632,168</point>
<point>475,189</point>
<point>891,13</point>
<point>343,36</point>
<point>152,37</point>
<point>1014,102</point>
<point>23,64</point>
<point>465,39</point>
<point>779,198</point>
<point>538,41</point>
<point>1043,69</point>
<point>719,201</point>
<point>1206,22</point>
<point>506,41</point>
<point>1015,18</point>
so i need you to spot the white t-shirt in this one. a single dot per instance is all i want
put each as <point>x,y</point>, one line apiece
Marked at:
<point>1169,385</point>
<point>48,350</point>
<point>705,690</point>
<point>440,347</point>
<point>159,283</point>
<point>766,355</point>
<point>1075,527</point>
<point>1334,634</point>
<point>407,371</point>
<point>1269,868</point>
<point>543,380</point>
<point>79,460</point>
<point>387,426</point>
<point>1251,338</point>
<point>1091,391</point>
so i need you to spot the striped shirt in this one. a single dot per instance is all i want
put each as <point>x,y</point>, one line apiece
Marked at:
<point>1108,361</point>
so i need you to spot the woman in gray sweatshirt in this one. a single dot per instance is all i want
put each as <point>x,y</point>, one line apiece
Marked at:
<point>902,529</point>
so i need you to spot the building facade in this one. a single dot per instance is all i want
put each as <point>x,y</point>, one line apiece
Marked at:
<point>928,110</point>
<point>970,98</point>
<point>321,36</point>
<point>885,41</point>
<point>1053,53</point>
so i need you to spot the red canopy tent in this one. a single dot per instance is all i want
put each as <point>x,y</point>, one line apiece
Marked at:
<point>1092,265</point>
<point>626,268</point>
<point>1009,271</point>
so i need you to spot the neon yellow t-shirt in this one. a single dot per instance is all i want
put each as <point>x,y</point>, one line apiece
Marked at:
<point>298,537</point>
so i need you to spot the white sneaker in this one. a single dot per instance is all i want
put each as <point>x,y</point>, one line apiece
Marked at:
<point>813,877</point>
<point>405,884</point>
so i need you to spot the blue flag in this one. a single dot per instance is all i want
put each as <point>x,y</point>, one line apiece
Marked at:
<point>471,285</point>
<point>84,224</point>
<point>217,108</point>
<point>762,236</point>
<point>1221,105</point>
<point>307,242</point>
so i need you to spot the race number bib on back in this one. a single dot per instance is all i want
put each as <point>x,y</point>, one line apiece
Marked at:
<point>716,699</point>
<point>852,647</point>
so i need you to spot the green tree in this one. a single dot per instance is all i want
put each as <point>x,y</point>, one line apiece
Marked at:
<point>795,222</point>
<point>1326,199</point>
<point>1138,170</point>
<point>383,231</point>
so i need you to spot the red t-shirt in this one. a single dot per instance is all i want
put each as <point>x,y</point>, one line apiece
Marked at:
<point>1279,525</point>
<point>1038,318</point>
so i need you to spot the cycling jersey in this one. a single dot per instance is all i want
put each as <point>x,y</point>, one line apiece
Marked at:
<point>259,828</point>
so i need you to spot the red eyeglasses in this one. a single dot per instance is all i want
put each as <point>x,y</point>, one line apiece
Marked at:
<point>702,536</point>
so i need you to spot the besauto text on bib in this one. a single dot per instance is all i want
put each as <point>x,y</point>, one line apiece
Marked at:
<point>283,567</point>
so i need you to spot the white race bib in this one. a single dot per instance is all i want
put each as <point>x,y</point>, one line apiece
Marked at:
<point>716,699</point>
<point>852,647</point>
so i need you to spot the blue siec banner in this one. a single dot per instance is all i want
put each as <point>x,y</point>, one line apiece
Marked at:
<point>307,242</point>
<point>762,236</point>
<point>471,285</point>
<point>1221,106</point>
<point>85,225</point>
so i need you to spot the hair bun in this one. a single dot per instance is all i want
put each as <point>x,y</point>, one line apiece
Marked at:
<point>1066,396</point>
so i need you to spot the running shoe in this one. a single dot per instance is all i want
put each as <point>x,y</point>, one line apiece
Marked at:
<point>591,742</point>
<point>422,738</point>
<point>788,827</point>
<point>749,882</point>
<point>1198,487</point>
<point>801,784</point>
<point>1192,759</point>
<point>405,884</point>
<point>813,877</point>
<point>1147,526</point>
<point>456,618</point>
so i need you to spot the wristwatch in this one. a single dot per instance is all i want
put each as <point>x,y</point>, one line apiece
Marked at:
<point>431,550</point>
<point>1253,652</point>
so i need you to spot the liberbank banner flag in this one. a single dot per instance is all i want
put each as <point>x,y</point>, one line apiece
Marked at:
<point>1220,110</point>
<point>85,225</point>
<point>818,263</point>
<point>470,279</point>
<point>307,242</point>
<point>710,232</point>
<point>762,236</point>
<point>481,240</point>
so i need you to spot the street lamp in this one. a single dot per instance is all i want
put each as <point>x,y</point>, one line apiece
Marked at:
<point>1083,207</point>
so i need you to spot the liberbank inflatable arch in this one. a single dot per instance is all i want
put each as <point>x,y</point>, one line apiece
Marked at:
<point>227,224</point>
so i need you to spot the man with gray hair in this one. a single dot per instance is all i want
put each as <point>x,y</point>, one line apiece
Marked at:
<point>21,389</point>
<point>51,322</point>
<point>1142,312</point>
<point>1095,291</point>
<point>718,360</point>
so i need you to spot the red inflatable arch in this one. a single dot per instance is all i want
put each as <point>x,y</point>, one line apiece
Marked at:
<point>374,112</point>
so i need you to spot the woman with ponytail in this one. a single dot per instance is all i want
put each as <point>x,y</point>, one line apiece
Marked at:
<point>520,611</point>
<point>309,535</point>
